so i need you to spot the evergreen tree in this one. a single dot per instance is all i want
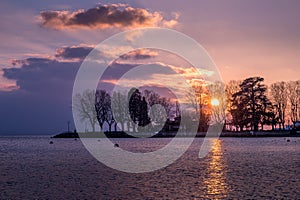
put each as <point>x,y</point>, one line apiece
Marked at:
<point>251,103</point>
<point>143,114</point>
<point>134,100</point>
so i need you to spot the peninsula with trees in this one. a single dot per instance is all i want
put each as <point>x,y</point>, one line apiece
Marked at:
<point>244,108</point>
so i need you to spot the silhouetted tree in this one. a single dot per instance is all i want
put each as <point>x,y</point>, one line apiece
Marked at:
<point>239,113</point>
<point>231,87</point>
<point>218,112</point>
<point>102,105</point>
<point>85,105</point>
<point>109,118</point>
<point>159,114</point>
<point>266,113</point>
<point>251,101</point>
<point>134,99</point>
<point>120,108</point>
<point>151,97</point>
<point>274,120</point>
<point>200,98</point>
<point>143,118</point>
<point>293,90</point>
<point>279,98</point>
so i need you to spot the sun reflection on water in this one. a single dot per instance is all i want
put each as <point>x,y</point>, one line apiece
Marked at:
<point>215,181</point>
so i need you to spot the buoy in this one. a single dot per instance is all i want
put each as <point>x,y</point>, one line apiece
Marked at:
<point>51,142</point>
<point>288,140</point>
<point>116,145</point>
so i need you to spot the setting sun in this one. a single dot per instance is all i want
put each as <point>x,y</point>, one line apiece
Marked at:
<point>215,102</point>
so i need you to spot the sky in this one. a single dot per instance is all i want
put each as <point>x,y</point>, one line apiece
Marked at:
<point>44,42</point>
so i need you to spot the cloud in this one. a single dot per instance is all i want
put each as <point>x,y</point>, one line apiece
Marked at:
<point>111,51</point>
<point>31,73</point>
<point>73,53</point>
<point>132,35</point>
<point>79,53</point>
<point>105,16</point>
<point>139,54</point>
<point>41,75</point>
<point>28,61</point>
<point>7,85</point>
<point>41,102</point>
<point>151,74</point>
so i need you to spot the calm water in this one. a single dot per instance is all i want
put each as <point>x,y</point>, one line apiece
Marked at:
<point>31,168</point>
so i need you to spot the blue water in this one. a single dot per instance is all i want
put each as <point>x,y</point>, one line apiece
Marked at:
<point>268,168</point>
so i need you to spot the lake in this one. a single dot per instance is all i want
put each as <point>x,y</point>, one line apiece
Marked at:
<point>268,168</point>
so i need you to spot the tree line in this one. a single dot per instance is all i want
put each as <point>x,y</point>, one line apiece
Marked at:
<point>241,105</point>
<point>123,111</point>
<point>252,104</point>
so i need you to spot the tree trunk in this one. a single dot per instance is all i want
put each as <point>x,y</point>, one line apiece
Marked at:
<point>133,127</point>
<point>122,126</point>
<point>109,128</point>
<point>283,125</point>
<point>116,125</point>
<point>101,126</point>
<point>279,126</point>
<point>128,126</point>
<point>255,127</point>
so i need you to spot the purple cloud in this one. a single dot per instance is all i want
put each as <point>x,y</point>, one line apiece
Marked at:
<point>105,16</point>
<point>139,54</point>
<point>73,52</point>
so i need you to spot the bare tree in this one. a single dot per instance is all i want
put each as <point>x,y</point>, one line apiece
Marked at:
<point>120,109</point>
<point>202,101</point>
<point>160,107</point>
<point>167,104</point>
<point>279,96</point>
<point>298,101</point>
<point>102,105</point>
<point>158,115</point>
<point>293,91</point>
<point>109,119</point>
<point>231,88</point>
<point>218,101</point>
<point>154,98</point>
<point>108,116</point>
<point>151,97</point>
<point>85,105</point>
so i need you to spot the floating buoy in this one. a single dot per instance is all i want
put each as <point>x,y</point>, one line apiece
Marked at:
<point>288,140</point>
<point>51,142</point>
<point>116,145</point>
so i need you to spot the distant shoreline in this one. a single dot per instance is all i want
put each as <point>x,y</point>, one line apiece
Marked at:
<point>120,134</point>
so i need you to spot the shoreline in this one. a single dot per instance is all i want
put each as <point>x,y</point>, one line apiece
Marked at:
<point>120,134</point>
